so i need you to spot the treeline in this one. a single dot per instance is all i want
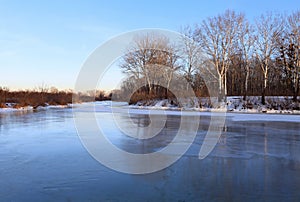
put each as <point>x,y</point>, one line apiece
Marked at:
<point>43,96</point>
<point>223,55</point>
<point>34,98</point>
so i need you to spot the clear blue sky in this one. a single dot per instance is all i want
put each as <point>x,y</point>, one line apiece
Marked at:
<point>48,41</point>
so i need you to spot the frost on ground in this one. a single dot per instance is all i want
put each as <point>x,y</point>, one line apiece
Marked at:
<point>252,104</point>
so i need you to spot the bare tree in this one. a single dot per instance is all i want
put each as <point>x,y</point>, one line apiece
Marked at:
<point>245,48</point>
<point>190,53</point>
<point>42,89</point>
<point>268,32</point>
<point>3,95</point>
<point>217,38</point>
<point>151,58</point>
<point>290,52</point>
<point>171,65</point>
<point>294,25</point>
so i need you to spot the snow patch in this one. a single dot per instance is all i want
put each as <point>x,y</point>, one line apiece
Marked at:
<point>274,105</point>
<point>10,109</point>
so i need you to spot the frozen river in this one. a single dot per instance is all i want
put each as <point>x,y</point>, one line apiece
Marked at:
<point>43,159</point>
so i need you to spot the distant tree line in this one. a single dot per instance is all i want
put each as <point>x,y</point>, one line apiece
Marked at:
<point>42,96</point>
<point>225,51</point>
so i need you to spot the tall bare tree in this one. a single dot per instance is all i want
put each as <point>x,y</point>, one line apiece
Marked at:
<point>269,29</point>
<point>171,65</point>
<point>294,26</point>
<point>190,53</point>
<point>290,52</point>
<point>245,48</point>
<point>151,58</point>
<point>217,38</point>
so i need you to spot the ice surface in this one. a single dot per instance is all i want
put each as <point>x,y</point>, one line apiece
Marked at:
<point>42,158</point>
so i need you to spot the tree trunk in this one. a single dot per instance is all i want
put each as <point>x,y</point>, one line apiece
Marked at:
<point>167,89</point>
<point>149,87</point>
<point>225,87</point>
<point>246,84</point>
<point>263,96</point>
<point>296,91</point>
<point>220,96</point>
<point>263,99</point>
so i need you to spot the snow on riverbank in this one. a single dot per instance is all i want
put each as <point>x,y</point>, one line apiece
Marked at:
<point>274,105</point>
<point>233,115</point>
<point>160,108</point>
<point>10,108</point>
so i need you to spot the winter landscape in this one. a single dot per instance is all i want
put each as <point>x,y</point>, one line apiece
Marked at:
<point>206,107</point>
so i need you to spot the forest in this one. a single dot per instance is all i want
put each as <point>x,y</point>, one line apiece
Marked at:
<point>224,55</point>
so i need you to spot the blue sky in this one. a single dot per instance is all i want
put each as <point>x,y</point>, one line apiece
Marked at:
<point>48,41</point>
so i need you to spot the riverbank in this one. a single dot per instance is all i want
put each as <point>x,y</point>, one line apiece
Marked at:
<point>10,108</point>
<point>274,105</point>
